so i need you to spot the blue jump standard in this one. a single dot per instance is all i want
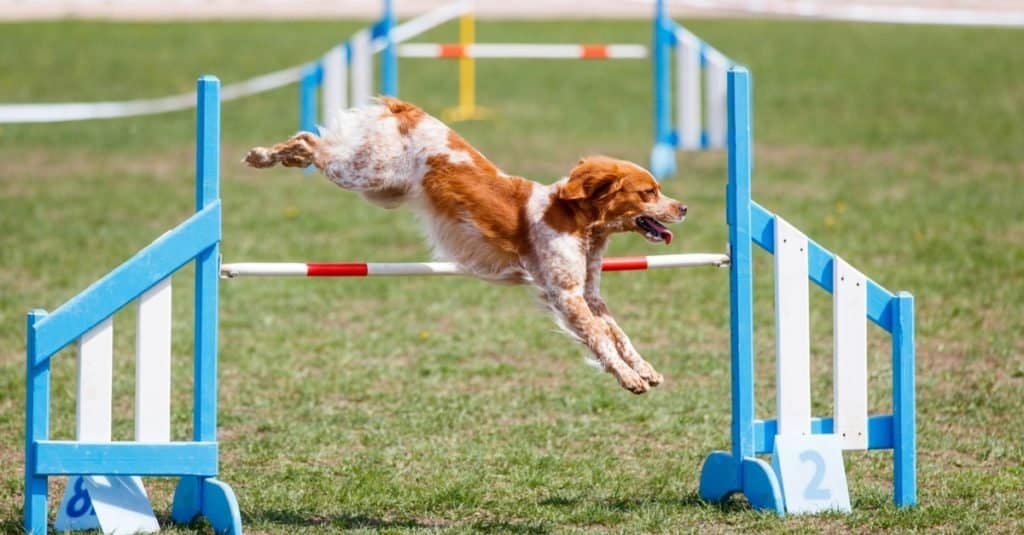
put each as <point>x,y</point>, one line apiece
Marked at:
<point>739,471</point>
<point>198,493</point>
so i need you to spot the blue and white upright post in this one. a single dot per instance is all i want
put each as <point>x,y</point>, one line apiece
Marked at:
<point>389,56</point>
<point>663,157</point>
<point>725,473</point>
<point>308,85</point>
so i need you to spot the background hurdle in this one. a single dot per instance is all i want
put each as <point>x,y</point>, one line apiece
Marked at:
<point>696,61</point>
<point>86,318</point>
<point>344,75</point>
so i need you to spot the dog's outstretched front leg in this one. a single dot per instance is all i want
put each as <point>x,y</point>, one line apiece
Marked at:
<point>625,347</point>
<point>595,334</point>
<point>302,150</point>
<point>598,307</point>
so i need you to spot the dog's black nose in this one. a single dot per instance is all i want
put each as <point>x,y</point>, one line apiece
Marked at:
<point>682,209</point>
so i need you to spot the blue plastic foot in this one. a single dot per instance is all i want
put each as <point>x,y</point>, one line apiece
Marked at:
<point>210,498</point>
<point>718,477</point>
<point>718,480</point>
<point>663,161</point>
<point>761,487</point>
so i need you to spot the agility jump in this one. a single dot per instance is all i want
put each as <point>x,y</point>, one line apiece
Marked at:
<point>115,466</point>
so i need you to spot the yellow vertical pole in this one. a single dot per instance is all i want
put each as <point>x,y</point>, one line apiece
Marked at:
<point>467,67</point>
<point>466,108</point>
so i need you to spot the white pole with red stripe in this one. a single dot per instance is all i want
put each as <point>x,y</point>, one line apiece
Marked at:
<point>522,51</point>
<point>401,269</point>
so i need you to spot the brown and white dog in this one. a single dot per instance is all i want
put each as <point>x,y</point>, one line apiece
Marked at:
<point>498,227</point>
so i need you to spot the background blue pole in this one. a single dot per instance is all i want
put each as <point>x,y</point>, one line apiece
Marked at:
<point>663,158</point>
<point>389,57</point>
<point>307,98</point>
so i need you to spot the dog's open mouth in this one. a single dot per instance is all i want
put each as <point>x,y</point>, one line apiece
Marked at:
<point>653,230</point>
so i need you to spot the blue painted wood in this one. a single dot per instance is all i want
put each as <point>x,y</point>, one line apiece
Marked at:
<point>308,85</point>
<point>820,265</point>
<point>186,504</point>
<point>761,486</point>
<point>207,141</point>
<point>880,432</point>
<point>37,425</point>
<point>663,160</point>
<point>719,477</point>
<point>125,283</point>
<point>904,410</point>
<point>220,507</point>
<point>379,28</point>
<point>198,237</point>
<point>204,411</point>
<point>66,457</point>
<point>741,288</point>
<point>389,56</point>
<point>210,498</point>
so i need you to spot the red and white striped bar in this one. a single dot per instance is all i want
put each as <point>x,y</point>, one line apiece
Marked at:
<point>522,51</point>
<point>402,269</point>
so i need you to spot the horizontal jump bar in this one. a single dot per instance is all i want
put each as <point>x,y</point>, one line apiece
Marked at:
<point>522,51</point>
<point>398,269</point>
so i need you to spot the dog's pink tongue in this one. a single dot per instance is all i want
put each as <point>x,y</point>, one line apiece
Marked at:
<point>664,233</point>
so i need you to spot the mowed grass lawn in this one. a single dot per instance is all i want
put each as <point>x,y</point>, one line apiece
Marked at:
<point>448,404</point>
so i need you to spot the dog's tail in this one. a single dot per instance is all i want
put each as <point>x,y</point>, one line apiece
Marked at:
<point>302,150</point>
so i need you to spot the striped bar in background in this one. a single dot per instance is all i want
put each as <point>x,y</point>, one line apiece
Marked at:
<point>522,51</point>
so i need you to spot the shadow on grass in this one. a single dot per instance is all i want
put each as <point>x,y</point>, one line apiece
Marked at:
<point>363,521</point>
<point>346,520</point>
<point>12,526</point>
<point>631,504</point>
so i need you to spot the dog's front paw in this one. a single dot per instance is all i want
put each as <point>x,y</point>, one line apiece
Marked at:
<point>648,373</point>
<point>630,380</point>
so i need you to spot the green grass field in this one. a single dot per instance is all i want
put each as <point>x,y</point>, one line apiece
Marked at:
<point>451,405</point>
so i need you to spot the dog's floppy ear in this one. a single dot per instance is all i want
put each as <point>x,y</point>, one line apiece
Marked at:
<point>592,178</point>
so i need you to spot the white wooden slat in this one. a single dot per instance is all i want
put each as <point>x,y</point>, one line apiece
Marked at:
<point>717,112</point>
<point>850,355</point>
<point>153,365</point>
<point>362,68</point>
<point>334,93</point>
<point>688,123</point>
<point>792,330</point>
<point>95,383</point>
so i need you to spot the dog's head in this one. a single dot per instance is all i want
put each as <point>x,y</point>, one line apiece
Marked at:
<point>620,196</point>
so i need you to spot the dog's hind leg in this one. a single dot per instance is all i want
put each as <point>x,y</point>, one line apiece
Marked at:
<point>302,150</point>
